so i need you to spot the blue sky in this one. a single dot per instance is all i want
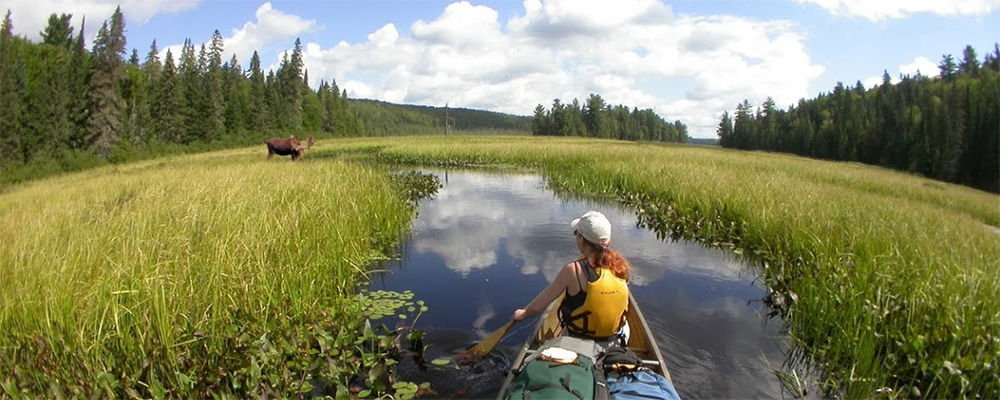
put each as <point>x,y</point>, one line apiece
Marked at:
<point>688,60</point>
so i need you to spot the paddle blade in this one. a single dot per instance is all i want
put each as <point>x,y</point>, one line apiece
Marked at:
<point>486,346</point>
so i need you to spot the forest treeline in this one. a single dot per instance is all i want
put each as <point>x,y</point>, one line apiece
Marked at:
<point>64,107</point>
<point>946,127</point>
<point>598,119</point>
<point>380,118</point>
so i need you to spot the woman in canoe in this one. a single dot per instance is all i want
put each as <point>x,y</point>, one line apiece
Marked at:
<point>595,285</point>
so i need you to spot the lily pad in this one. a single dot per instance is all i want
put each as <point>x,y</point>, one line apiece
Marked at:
<point>441,361</point>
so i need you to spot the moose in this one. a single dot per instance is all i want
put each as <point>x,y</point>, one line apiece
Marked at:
<point>289,146</point>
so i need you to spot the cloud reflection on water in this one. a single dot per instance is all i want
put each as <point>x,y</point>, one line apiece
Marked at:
<point>483,218</point>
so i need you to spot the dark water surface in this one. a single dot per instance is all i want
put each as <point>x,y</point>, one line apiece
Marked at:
<point>488,243</point>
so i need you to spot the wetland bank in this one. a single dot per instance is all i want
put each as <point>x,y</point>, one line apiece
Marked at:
<point>142,280</point>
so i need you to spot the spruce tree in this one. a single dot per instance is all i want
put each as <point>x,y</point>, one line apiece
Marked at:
<point>214,107</point>
<point>234,96</point>
<point>104,122</point>
<point>58,32</point>
<point>594,115</point>
<point>77,81</point>
<point>257,109</point>
<point>193,94</point>
<point>167,107</point>
<point>12,90</point>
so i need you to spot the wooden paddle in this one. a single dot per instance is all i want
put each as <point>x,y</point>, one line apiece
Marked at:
<point>484,347</point>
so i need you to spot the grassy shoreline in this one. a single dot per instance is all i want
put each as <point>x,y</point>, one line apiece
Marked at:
<point>888,281</point>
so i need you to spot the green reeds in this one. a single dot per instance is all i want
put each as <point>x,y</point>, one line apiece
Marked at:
<point>170,277</point>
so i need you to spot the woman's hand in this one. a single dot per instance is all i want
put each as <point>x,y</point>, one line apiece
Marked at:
<point>519,314</point>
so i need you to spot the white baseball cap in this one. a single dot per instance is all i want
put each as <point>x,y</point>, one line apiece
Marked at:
<point>594,227</point>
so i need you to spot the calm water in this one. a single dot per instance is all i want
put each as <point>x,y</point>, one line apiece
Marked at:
<point>488,243</point>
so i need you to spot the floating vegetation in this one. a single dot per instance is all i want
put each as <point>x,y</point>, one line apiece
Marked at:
<point>379,346</point>
<point>416,186</point>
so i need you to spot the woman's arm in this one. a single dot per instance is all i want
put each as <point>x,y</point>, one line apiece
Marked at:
<point>548,295</point>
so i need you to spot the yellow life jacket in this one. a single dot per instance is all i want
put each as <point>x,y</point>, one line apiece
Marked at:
<point>603,307</point>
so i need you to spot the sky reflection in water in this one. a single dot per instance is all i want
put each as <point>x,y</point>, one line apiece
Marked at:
<point>488,243</point>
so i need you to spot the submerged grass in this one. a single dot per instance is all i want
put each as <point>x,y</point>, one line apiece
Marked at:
<point>200,275</point>
<point>889,281</point>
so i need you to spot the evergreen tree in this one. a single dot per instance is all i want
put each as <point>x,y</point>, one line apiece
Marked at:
<point>560,119</point>
<point>540,125</point>
<point>78,83</point>
<point>575,115</point>
<point>289,89</point>
<point>948,68</point>
<point>993,59</point>
<point>213,102</point>
<point>135,90</point>
<point>104,122</point>
<point>46,100</point>
<point>194,94</point>
<point>725,130</point>
<point>594,116</point>
<point>234,96</point>
<point>152,65</point>
<point>258,109</point>
<point>168,106</point>
<point>12,90</point>
<point>742,126</point>
<point>58,32</point>
<point>272,101</point>
<point>969,64</point>
<point>134,58</point>
<point>768,124</point>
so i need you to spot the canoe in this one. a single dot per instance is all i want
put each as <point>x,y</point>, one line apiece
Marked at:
<point>640,341</point>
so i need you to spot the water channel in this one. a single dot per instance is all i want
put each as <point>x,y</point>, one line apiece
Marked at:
<point>487,243</point>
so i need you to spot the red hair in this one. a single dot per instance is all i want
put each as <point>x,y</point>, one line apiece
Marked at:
<point>610,260</point>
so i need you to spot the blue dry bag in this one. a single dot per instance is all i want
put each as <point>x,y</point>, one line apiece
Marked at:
<point>641,384</point>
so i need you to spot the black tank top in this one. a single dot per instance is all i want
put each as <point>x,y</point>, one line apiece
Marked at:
<point>572,302</point>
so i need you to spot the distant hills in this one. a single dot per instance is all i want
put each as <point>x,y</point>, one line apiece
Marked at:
<point>704,142</point>
<point>380,118</point>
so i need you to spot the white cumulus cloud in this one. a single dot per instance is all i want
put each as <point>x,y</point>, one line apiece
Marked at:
<point>272,27</point>
<point>880,10</point>
<point>920,65</point>
<point>31,16</point>
<point>635,53</point>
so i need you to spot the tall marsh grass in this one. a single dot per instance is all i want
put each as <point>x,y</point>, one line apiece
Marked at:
<point>172,277</point>
<point>199,275</point>
<point>889,282</point>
